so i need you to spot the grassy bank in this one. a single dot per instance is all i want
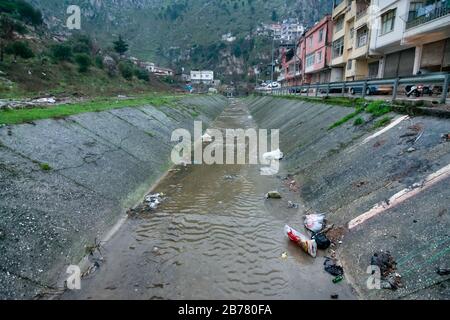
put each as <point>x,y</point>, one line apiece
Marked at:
<point>17,116</point>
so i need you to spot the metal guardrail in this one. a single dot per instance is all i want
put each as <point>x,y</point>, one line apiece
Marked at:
<point>344,86</point>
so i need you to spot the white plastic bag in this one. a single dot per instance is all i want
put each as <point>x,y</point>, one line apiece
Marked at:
<point>309,246</point>
<point>314,222</point>
<point>274,155</point>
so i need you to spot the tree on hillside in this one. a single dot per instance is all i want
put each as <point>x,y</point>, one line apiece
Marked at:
<point>20,49</point>
<point>120,46</point>
<point>62,52</point>
<point>84,61</point>
<point>8,27</point>
<point>29,14</point>
<point>274,15</point>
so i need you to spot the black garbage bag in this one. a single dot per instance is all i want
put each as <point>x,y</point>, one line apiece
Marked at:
<point>322,241</point>
<point>332,268</point>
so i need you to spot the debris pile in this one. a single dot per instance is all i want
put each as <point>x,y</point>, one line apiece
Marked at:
<point>153,200</point>
<point>390,279</point>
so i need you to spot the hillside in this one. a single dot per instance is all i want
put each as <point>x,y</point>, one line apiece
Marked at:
<point>185,32</point>
<point>35,62</point>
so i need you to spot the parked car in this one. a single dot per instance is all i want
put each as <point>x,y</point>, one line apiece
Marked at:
<point>371,90</point>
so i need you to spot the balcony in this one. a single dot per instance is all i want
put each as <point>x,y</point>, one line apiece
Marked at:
<point>424,15</point>
<point>360,14</point>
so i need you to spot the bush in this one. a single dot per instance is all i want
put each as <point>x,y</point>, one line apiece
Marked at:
<point>142,74</point>
<point>358,121</point>
<point>81,44</point>
<point>126,70</point>
<point>20,49</point>
<point>84,62</point>
<point>382,122</point>
<point>378,108</point>
<point>62,52</point>
<point>99,62</point>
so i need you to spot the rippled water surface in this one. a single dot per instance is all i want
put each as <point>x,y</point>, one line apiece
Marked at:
<point>215,237</point>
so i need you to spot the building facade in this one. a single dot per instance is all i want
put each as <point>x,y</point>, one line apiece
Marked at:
<point>203,76</point>
<point>317,52</point>
<point>411,37</point>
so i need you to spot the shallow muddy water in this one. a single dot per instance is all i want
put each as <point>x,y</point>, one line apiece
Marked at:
<point>214,237</point>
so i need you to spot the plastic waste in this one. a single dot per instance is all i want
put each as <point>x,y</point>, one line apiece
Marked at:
<point>206,138</point>
<point>332,268</point>
<point>314,222</point>
<point>154,200</point>
<point>273,155</point>
<point>309,246</point>
<point>322,241</point>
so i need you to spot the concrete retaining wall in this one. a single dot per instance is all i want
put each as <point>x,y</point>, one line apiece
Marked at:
<point>101,164</point>
<point>344,173</point>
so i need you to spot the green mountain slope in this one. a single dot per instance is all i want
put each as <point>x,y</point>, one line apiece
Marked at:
<point>169,31</point>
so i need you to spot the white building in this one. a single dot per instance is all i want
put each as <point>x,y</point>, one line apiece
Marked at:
<point>291,30</point>
<point>204,76</point>
<point>410,36</point>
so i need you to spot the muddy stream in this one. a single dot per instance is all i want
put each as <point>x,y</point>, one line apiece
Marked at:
<point>214,237</point>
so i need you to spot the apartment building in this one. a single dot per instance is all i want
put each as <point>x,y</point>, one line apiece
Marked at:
<point>411,37</point>
<point>316,55</point>
<point>202,76</point>
<point>350,48</point>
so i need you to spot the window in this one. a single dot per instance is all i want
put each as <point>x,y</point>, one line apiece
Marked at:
<point>338,47</point>
<point>310,41</point>
<point>349,64</point>
<point>414,10</point>
<point>320,35</point>
<point>362,37</point>
<point>319,56</point>
<point>388,21</point>
<point>339,24</point>
<point>310,59</point>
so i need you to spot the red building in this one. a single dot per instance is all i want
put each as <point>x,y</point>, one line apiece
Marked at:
<point>317,52</point>
<point>309,61</point>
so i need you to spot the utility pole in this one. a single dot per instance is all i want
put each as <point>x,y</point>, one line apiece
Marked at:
<point>273,62</point>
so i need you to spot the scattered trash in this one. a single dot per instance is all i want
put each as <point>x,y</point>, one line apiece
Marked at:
<point>334,296</point>
<point>446,136</point>
<point>322,241</point>
<point>309,246</point>
<point>332,268</point>
<point>230,177</point>
<point>314,222</point>
<point>293,186</point>
<point>443,271</point>
<point>273,195</point>
<point>338,279</point>
<point>153,200</point>
<point>386,262</point>
<point>206,138</point>
<point>292,205</point>
<point>274,155</point>
<point>45,100</point>
<point>336,234</point>
<point>360,184</point>
<point>284,255</point>
<point>412,149</point>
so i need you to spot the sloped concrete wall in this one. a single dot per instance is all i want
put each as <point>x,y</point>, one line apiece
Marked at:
<point>101,164</point>
<point>344,175</point>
